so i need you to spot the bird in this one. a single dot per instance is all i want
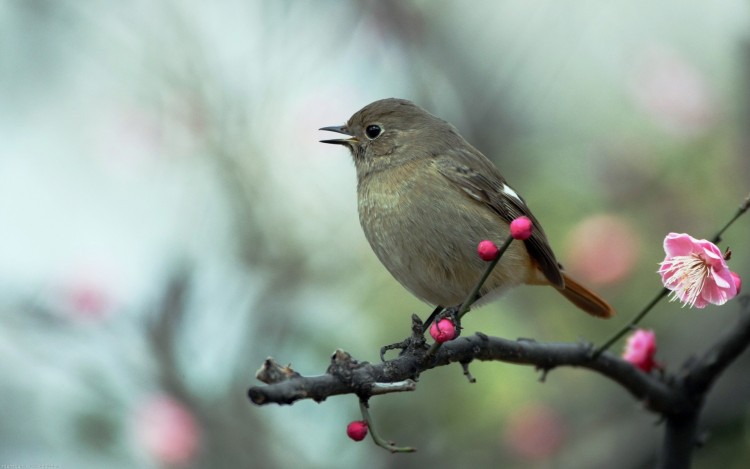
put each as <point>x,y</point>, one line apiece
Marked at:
<point>426,197</point>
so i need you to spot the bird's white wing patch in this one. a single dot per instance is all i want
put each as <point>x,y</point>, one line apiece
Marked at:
<point>507,190</point>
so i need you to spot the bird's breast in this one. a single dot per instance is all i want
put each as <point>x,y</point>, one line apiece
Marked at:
<point>425,231</point>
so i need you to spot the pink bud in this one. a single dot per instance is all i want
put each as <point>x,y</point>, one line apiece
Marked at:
<point>640,350</point>
<point>737,281</point>
<point>487,250</point>
<point>357,430</point>
<point>521,228</point>
<point>443,330</point>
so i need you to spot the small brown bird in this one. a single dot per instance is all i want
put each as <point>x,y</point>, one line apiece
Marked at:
<point>427,198</point>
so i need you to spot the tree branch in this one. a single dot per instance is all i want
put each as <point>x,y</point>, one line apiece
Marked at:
<point>680,435</point>
<point>347,376</point>
<point>702,373</point>
<point>679,399</point>
<point>679,440</point>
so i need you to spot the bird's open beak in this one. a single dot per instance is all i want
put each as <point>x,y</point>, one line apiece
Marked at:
<point>339,141</point>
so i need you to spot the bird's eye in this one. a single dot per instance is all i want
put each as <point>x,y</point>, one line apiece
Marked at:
<point>373,131</point>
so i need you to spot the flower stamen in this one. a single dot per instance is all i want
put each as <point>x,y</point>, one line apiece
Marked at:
<point>686,277</point>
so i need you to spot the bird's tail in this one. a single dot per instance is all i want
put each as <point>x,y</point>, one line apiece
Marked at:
<point>585,299</point>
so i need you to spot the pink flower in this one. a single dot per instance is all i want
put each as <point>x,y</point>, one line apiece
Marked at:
<point>696,272</point>
<point>487,250</point>
<point>443,330</point>
<point>521,228</point>
<point>357,430</point>
<point>640,350</point>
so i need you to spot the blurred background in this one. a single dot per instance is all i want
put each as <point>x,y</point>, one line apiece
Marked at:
<point>168,220</point>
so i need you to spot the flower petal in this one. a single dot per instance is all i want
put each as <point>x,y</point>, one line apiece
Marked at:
<point>679,244</point>
<point>712,294</point>
<point>700,303</point>
<point>737,282</point>
<point>722,280</point>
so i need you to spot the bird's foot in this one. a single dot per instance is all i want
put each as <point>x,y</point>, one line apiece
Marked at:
<point>402,346</point>
<point>452,315</point>
<point>438,309</point>
<point>414,342</point>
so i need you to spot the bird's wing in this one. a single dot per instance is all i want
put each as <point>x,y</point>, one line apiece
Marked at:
<point>480,179</point>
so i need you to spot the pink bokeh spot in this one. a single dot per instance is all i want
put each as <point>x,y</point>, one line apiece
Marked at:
<point>534,432</point>
<point>695,271</point>
<point>89,290</point>
<point>168,431</point>
<point>673,91</point>
<point>640,350</point>
<point>603,249</point>
<point>89,301</point>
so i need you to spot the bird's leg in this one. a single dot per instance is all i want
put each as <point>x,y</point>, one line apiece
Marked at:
<point>432,317</point>
<point>452,313</point>
<point>403,345</point>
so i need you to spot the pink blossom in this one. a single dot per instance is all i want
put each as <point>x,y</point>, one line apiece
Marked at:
<point>443,330</point>
<point>168,431</point>
<point>521,228</point>
<point>640,350</point>
<point>696,272</point>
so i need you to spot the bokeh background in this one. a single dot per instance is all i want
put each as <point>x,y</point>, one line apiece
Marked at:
<point>168,219</point>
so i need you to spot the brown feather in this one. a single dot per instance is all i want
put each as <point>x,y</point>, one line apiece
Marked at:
<point>585,299</point>
<point>487,185</point>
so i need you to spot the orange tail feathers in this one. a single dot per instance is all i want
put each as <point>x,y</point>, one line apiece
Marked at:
<point>585,299</point>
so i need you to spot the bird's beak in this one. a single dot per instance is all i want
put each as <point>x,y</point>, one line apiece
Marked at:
<point>339,141</point>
